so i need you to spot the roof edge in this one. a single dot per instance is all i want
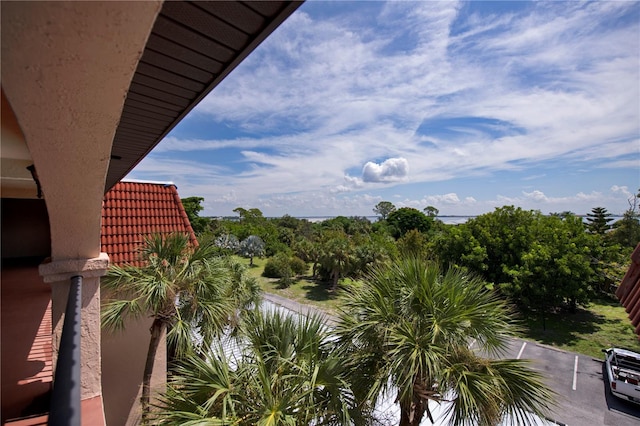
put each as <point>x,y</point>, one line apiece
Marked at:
<point>153,182</point>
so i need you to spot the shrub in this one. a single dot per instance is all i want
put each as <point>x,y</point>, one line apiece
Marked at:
<point>298,266</point>
<point>277,267</point>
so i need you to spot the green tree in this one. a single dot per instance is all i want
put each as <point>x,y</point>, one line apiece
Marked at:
<point>285,371</point>
<point>626,231</point>
<point>337,256</point>
<point>192,206</point>
<point>598,220</point>
<point>406,219</point>
<point>556,269</point>
<point>431,211</point>
<point>384,209</point>
<point>540,262</point>
<point>353,225</point>
<point>186,290</point>
<point>492,244</point>
<point>284,267</point>
<point>251,215</point>
<point>563,214</point>
<point>457,245</point>
<point>367,253</point>
<point>407,329</point>
<point>413,243</point>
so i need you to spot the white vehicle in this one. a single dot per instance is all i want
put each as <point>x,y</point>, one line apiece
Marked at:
<point>623,372</point>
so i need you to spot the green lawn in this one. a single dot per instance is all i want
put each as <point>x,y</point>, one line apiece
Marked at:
<point>603,324</point>
<point>302,290</point>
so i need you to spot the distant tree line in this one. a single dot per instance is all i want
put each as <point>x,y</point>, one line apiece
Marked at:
<point>538,262</point>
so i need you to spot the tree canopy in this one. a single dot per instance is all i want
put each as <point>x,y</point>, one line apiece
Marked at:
<point>284,371</point>
<point>193,206</point>
<point>188,291</point>
<point>384,209</point>
<point>538,261</point>
<point>406,219</point>
<point>407,330</point>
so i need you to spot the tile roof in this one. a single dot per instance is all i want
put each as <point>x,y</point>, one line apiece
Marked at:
<point>629,290</point>
<point>132,211</point>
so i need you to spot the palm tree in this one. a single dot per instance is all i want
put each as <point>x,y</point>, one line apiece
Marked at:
<point>408,330</point>
<point>283,371</point>
<point>252,246</point>
<point>189,292</point>
<point>337,256</point>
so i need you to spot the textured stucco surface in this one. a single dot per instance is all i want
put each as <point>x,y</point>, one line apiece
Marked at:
<point>90,325</point>
<point>123,358</point>
<point>66,68</point>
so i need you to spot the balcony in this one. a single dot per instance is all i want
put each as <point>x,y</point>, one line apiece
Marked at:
<point>27,370</point>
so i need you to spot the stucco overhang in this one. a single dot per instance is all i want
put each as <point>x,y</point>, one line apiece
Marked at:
<point>192,47</point>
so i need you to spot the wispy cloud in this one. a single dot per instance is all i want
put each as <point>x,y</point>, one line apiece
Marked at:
<point>329,110</point>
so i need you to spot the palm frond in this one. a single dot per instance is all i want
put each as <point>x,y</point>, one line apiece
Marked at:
<point>115,312</point>
<point>408,325</point>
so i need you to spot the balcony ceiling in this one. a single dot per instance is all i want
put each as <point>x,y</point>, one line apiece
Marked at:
<point>193,46</point>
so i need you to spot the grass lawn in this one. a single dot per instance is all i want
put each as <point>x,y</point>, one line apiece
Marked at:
<point>601,325</point>
<point>302,290</point>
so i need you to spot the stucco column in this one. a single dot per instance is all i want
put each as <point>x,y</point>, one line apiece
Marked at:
<point>66,69</point>
<point>59,274</point>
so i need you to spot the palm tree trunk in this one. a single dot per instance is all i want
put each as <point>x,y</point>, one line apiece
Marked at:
<point>156,334</point>
<point>336,277</point>
<point>412,412</point>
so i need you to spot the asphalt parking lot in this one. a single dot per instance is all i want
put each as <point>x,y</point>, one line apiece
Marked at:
<point>584,398</point>
<point>583,393</point>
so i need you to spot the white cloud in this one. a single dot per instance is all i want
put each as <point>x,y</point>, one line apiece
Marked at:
<point>624,190</point>
<point>324,96</point>
<point>390,170</point>
<point>451,198</point>
<point>536,195</point>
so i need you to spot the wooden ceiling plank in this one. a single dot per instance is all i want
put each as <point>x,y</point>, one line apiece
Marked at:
<point>235,14</point>
<point>148,110</point>
<point>184,36</point>
<point>166,62</point>
<point>164,86</point>
<point>129,116</point>
<point>191,16</point>
<point>153,102</point>
<point>183,54</point>
<point>169,77</point>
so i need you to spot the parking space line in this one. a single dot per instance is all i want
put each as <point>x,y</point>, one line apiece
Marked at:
<point>521,350</point>
<point>575,373</point>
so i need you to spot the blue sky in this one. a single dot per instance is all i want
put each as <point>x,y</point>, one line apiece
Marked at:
<point>465,106</point>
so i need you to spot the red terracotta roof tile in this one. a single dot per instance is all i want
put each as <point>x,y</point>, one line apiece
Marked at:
<point>132,211</point>
<point>629,290</point>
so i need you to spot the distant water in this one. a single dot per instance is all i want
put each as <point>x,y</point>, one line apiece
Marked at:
<point>450,220</point>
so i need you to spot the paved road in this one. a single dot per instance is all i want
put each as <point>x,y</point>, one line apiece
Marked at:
<point>578,379</point>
